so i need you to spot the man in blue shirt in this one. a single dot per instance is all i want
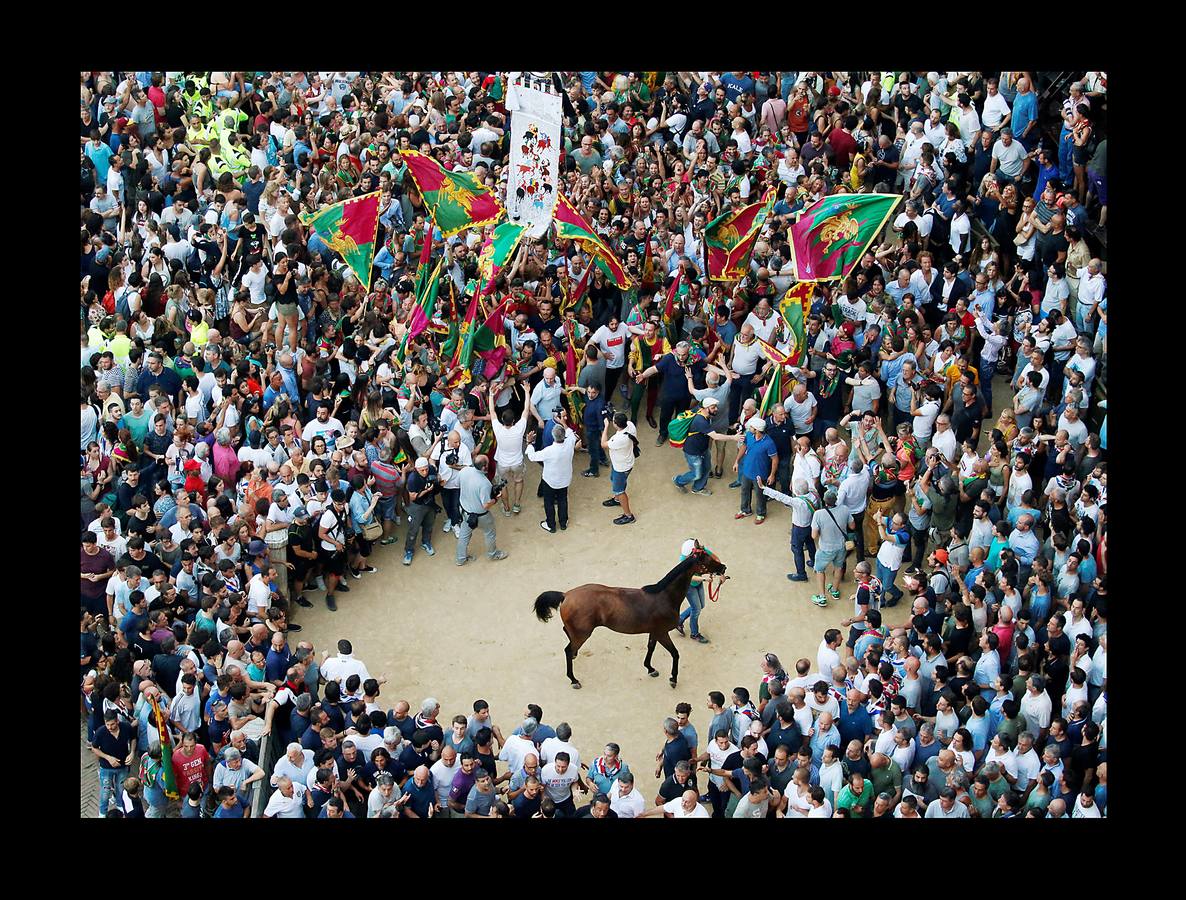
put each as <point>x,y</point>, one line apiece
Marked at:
<point>279,659</point>
<point>1025,114</point>
<point>736,84</point>
<point>758,462</point>
<point>673,392</point>
<point>983,297</point>
<point>855,722</point>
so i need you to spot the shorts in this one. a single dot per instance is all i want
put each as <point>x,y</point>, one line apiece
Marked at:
<point>825,558</point>
<point>333,562</point>
<point>510,473</point>
<point>362,545</point>
<point>617,480</point>
<point>287,309</point>
<point>386,509</point>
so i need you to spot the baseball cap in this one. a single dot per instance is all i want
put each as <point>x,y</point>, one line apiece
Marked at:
<point>833,91</point>
<point>257,548</point>
<point>421,462</point>
<point>300,513</point>
<point>757,423</point>
<point>941,556</point>
<point>709,401</point>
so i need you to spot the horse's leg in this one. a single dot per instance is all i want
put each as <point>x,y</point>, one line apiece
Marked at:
<point>647,662</point>
<point>575,640</point>
<point>665,639</point>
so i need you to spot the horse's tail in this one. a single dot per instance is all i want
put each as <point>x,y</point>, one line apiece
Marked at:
<point>546,602</point>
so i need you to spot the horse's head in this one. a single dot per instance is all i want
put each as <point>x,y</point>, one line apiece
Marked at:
<point>707,561</point>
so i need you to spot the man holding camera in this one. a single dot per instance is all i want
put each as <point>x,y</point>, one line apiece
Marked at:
<point>452,456</point>
<point>422,511</point>
<point>477,498</point>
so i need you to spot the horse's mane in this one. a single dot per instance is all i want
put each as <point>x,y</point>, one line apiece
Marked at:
<point>681,567</point>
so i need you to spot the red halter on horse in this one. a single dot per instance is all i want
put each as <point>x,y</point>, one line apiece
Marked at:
<point>652,609</point>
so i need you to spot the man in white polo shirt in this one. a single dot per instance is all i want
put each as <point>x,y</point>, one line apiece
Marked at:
<point>686,806</point>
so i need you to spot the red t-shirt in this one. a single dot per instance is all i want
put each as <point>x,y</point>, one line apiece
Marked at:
<point>844,145</point>
<point>190,769</point>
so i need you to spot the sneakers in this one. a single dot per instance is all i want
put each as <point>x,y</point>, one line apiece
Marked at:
<point>835,594</point>
<point>703,492</point>
<point>506,512</point>
<point>589,473</point>
<point>546,527</point>
<point>564,527</point>
<point>457,531</point>
<point>408,558</point>
<point>447,527</point>
<point>759,520</point>
<point>516,509</point>
<point>368,569</point>
<point>683,488</point>
<point>701,638</point>
<point>498,554</point>
<point>343,587</point>
<point>388,540</point>
<point>735,484</point>
<point>820,600</point>
<point>427,548</point>
<point>293,627</point>
<point>354,573</point>
<point>741,515</point>
<point>330,604</point>
<point>624,520</point>
<point>660,441</point>
<point>462,562</point>
<point>796,577</point>
<point>612,501</point>
<point>302,601</point>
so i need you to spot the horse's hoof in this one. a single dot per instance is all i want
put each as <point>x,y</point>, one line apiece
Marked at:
<point>653,673</point>
<point>671,681</point>
<point>576,685</point>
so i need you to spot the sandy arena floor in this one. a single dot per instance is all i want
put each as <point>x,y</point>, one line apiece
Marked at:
<point>462,633</point>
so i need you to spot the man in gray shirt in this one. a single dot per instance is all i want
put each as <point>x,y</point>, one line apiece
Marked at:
<point>829,528</point>
<point>476,502</point>
<point>719,391</point>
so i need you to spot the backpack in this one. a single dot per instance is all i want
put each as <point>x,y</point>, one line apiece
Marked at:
<point>677,428</point>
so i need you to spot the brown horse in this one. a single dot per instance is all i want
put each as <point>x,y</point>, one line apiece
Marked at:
<point>653,609</point>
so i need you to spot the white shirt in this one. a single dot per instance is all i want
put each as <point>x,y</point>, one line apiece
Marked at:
<point>826,659</point>
<point>287,807</point>
<point>853,493</point>
<point>621,449</point>
<point>946,444</point>
<point>612,344</point>
<point>1092,288</point>
<point>806,466</point>
<point>969,124</point>
<point>629,806</point>
<point>254,282</point>
<point>746,357</point>
<point>764,330</point>
<point>508,449</point>
<point>1036,712</point>
<point>676,808</point>
<point>550,747</point>
<point>442,778</point>
<point>557,460</point>
<point>259,594</point>
<point>515,750</point>
<point>996,107</point>
<point>339,668</point>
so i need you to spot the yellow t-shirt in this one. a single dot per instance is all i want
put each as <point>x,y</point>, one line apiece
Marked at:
<point>119,346</point>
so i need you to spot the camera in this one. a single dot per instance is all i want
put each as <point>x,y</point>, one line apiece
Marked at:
<point>609,412</point>
<point>496,488</point>
<point>451,457</point>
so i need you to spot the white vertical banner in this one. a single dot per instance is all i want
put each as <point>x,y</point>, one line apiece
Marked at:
<point>534,178</point>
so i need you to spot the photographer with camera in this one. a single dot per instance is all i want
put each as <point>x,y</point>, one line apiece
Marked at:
<point>477,496</point>
<point>451,456</point>
<point>422,511</point>
<point>508,452</point>
<point>623,450</point>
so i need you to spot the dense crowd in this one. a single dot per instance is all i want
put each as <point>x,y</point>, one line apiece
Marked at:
<point>253,427</point>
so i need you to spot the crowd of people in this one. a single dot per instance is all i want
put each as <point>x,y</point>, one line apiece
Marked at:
<point>254,425</point>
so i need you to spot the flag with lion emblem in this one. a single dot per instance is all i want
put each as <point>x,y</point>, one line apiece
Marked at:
<point>833,234</point>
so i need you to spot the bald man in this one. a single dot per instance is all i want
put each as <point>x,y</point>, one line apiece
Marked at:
<point>421,802</point>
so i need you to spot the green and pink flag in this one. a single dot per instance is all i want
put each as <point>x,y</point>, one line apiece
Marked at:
<point>351,229</point>
<point>833,234</point>
<point>457,199</point>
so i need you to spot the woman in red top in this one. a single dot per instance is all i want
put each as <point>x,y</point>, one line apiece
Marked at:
<point>799,114</point>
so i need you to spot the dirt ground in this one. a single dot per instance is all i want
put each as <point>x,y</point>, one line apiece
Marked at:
<point>461,633</point>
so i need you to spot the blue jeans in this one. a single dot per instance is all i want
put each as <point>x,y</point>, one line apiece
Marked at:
<point>111,782</point>
<point>889,591</point>
<point>987,371</point>
<point>1065,154</point>
<point>747,491</point>
<point>695,598</point>
<point>697,474</point>
<point>596,453</point>
<point>801,538</point>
